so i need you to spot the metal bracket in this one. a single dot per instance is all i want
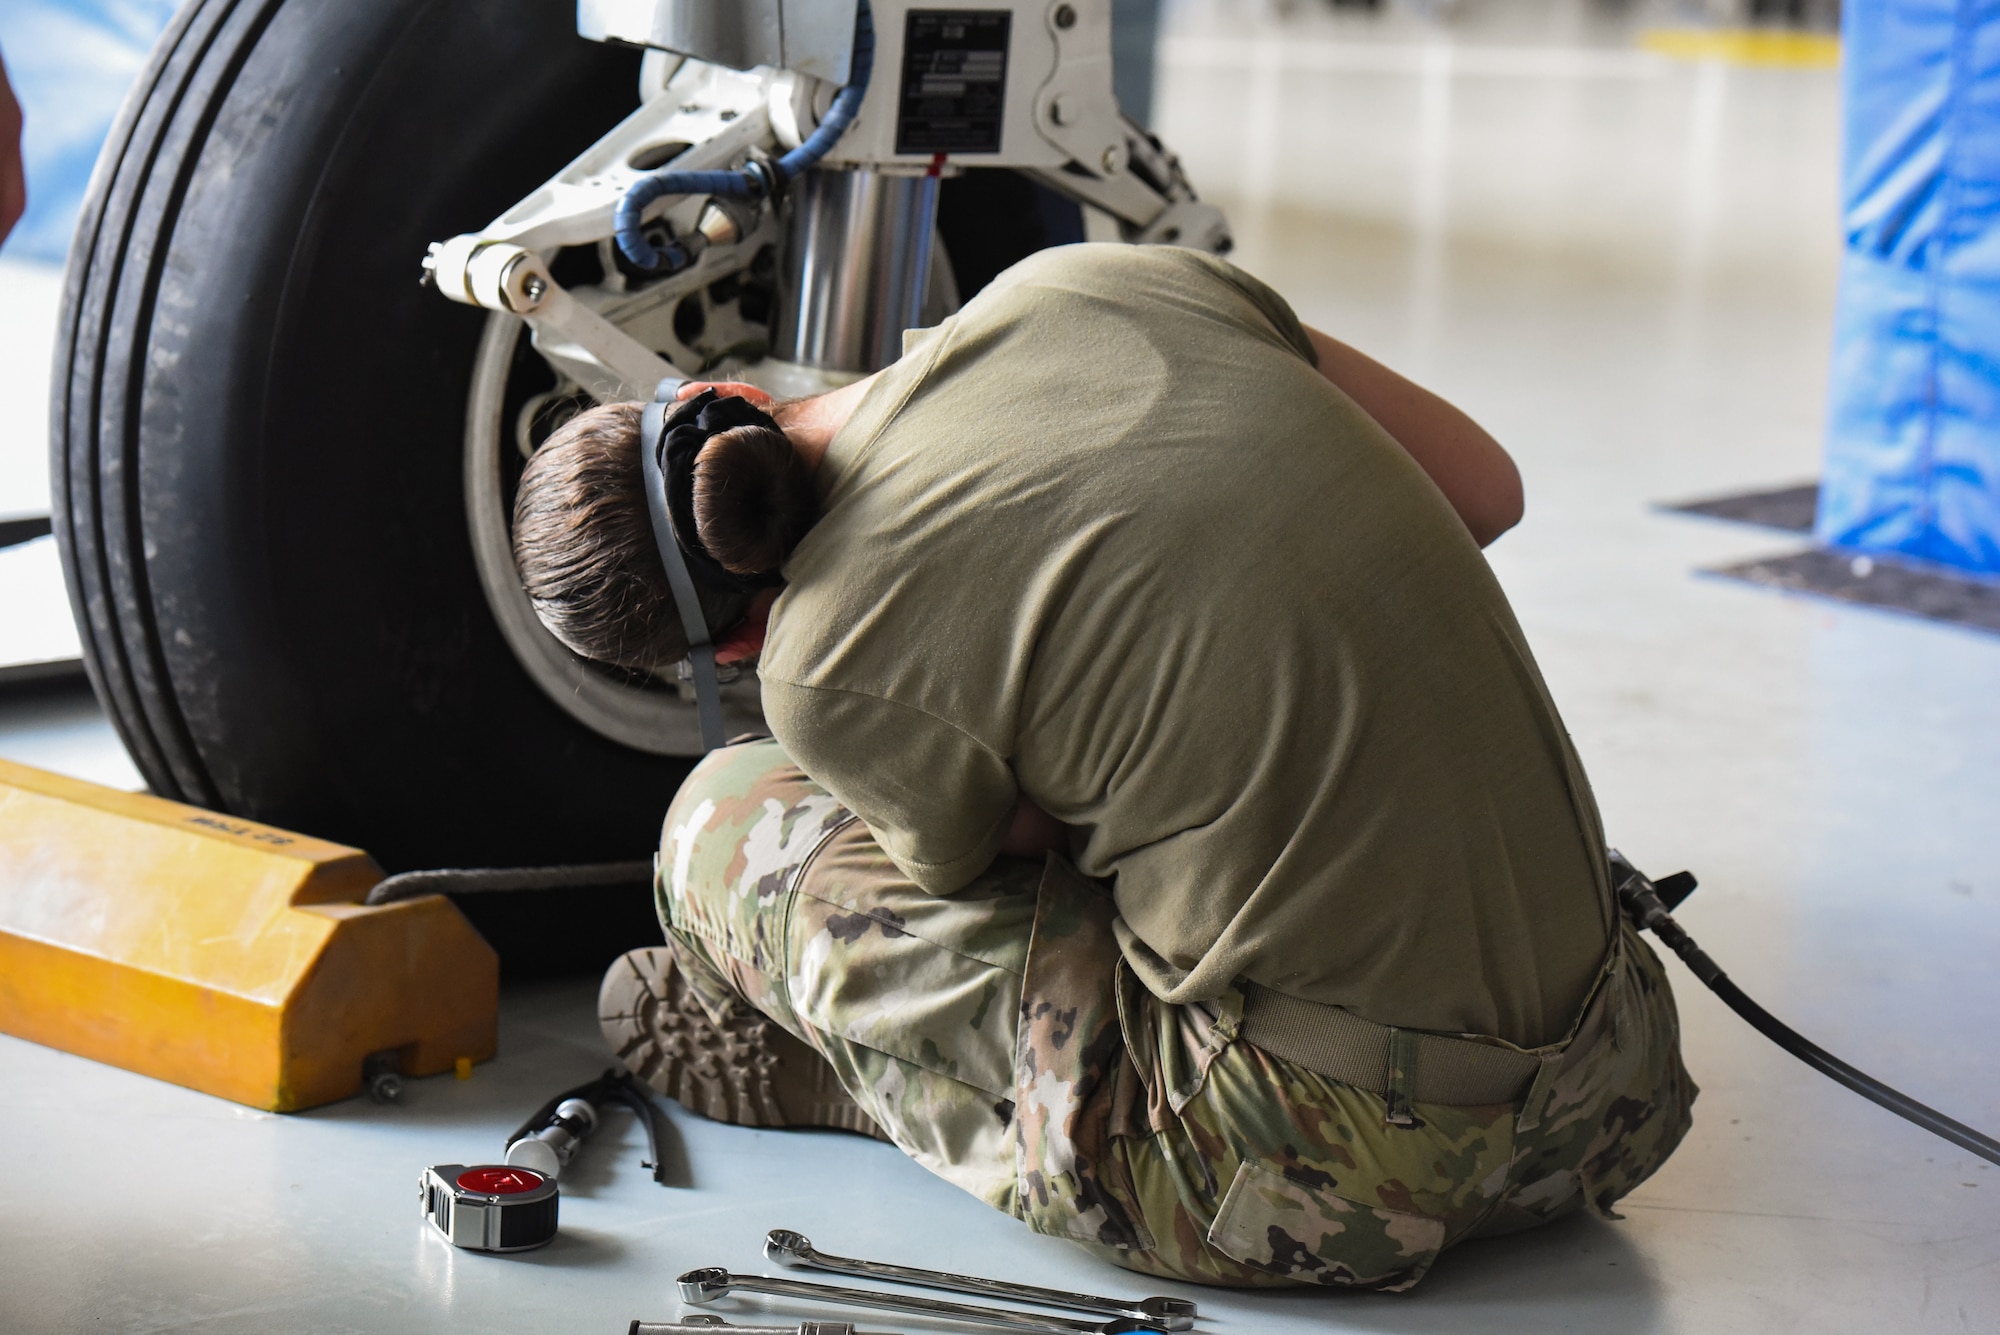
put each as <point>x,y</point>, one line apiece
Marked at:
<point>1075,109</point>
<point>502,276</point>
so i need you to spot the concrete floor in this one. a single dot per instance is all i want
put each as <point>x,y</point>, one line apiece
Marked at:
<point>1624,267</point>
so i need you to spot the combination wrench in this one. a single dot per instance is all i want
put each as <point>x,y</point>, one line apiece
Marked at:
<point>713,1282</point>
<point>791,1248</point>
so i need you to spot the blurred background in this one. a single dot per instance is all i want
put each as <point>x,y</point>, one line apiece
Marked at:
<point>1611,231</point>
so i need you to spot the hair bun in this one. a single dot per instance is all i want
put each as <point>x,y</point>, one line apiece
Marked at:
<point>753,499</point>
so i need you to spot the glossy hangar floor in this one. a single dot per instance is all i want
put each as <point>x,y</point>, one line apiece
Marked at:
<point>1623,265</point>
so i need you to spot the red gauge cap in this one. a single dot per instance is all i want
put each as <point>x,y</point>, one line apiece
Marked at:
<point>498,1181</point>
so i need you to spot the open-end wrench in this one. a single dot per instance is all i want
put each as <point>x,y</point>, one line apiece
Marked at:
<point>788,1247</point>
<point>711,1325</point>
<point>712,1282</point>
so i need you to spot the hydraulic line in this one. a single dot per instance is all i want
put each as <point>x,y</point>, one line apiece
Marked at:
<point>1642,902</point>
<point>758,178</point>
<point>475,880</point>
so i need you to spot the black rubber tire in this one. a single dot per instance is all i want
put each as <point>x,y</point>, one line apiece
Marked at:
<point>258,424</point>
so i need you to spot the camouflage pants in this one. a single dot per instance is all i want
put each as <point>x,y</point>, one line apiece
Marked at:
<point>997,1037</point>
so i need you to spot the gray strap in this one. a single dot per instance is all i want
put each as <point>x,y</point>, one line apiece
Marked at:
<point>1536,1104</point>
<point>1399,1079</point>
<point>701,648</point>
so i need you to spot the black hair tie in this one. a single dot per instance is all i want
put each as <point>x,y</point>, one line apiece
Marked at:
<point>688,427</point>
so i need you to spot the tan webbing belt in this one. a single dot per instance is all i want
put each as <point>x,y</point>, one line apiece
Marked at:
<point>1401,1065</point>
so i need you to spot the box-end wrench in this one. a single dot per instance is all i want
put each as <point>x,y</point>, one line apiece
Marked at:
<point>787,1247</point>
<point>712,1282</point>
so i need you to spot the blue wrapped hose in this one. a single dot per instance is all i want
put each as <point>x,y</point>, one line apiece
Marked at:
<point>746,182</point>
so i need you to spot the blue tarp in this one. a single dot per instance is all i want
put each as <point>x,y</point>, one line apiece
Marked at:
<point>1913,447</point>
<point>70,62</point>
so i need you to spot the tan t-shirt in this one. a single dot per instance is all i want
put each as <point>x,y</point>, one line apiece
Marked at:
<point>1107,538</point>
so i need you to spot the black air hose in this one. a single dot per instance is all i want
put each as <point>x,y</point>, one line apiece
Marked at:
<point>1642,903</point>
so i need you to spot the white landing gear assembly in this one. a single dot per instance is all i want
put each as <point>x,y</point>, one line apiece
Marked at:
<point>768,214</point>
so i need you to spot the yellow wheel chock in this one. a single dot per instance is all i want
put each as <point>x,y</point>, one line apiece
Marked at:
<point>223,955</point>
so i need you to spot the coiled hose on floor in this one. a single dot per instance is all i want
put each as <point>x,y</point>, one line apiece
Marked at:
<point>758,178</point>
<point>1641,901</point>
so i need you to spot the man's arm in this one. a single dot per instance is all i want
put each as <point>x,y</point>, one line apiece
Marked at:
<point>1033,832</point>
<point>13,185</point>
<point>1469,467</point>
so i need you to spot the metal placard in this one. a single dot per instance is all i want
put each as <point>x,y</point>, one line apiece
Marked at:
<point>954,92</point>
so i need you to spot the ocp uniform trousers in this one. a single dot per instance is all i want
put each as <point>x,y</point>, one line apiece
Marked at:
<point>998,1039</point>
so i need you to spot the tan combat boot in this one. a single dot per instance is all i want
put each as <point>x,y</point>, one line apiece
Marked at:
<point>744,1070</point>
